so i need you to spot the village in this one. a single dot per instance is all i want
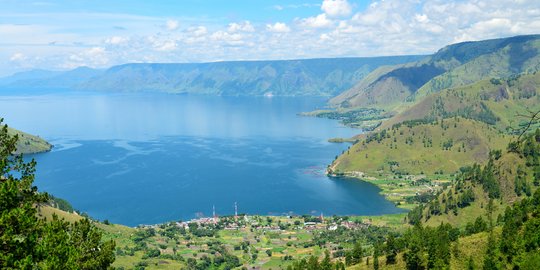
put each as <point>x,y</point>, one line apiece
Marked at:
<point>271,223</point>
<point>262,242</point>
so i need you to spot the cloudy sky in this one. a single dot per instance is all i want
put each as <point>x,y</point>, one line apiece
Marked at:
<point>64,34</point>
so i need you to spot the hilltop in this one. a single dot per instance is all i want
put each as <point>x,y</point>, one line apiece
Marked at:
<point>454,65</point>
<point>420,148</point>
<point>29,144</point>
<point>409,136</point>
<point>304,77</point>
<point>498,102</point>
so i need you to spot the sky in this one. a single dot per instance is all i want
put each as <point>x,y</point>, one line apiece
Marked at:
<point>66,34</point>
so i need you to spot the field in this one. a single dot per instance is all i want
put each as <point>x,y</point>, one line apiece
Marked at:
<point>257,241</point>
<point>260,242</point>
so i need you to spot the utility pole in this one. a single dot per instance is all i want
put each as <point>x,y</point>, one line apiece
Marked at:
<point>235,212</point>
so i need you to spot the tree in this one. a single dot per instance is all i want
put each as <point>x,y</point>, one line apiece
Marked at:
<point>326,263</point>
<point>376,254</point>
<point>28,242</point>
<point>490,260</point>
<point>470,263</point>
<point>355,255</point>
<point>391,250</point>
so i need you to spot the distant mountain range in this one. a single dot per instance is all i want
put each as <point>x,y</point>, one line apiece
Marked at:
<point>454,65</point>
<point>309,77</point>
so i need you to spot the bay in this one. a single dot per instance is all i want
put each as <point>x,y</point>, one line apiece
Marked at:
<point>151,158</point>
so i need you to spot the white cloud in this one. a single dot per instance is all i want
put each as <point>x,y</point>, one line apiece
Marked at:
<point>198,31</point>
<point>278,27</point>
<point>319,21</point>
<point>93,57</point>
<point>336,8</point>
<point>17,57</point>
<point>172,25</point>
<point>116,40</point>
<point>382,28</point>
<point>168,45</point>
<point>421,18</point>
<point>244,26</point>
<point>231,39</point>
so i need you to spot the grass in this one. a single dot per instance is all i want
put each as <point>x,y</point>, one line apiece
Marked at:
<point>47,212</point>
<point>506,99</point>
<point>420,150</point>
<point>29,144</point>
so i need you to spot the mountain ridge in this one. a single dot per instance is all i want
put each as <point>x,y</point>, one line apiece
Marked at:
<point>302,77</point>
<point>454,65</point>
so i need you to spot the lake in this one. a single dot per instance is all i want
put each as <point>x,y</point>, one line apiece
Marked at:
<point>150,158</point>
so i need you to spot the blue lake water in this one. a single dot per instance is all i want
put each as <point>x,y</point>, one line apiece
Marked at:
<point>145,159</point>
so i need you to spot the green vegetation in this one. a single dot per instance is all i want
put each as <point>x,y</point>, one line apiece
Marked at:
<point>453,154</point>
<point>365,119</point>
<point>419,149</point>
<point>498,102</point>
<point>252,241</point>
<point>29,144</point>
<point>455,65</point>
<point>29,242</point>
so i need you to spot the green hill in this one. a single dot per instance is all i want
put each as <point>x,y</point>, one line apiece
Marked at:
<point>420,148</point>
<point>507,177</point>
<point>497,102</point>
<point>455,65</point>
<point>29,144</point>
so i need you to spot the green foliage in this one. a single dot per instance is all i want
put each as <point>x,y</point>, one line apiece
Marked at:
<point>428,248</point>
<point>313,263</point>
<point>32,243</point>
<point>29,144</point>
<point>355,255</point>
<point>391,249</point>
<point>479,225</point>
<point>365,118</point>
<point>61,204</point>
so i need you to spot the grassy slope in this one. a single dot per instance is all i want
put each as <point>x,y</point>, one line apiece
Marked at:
<point>453,66</point>
<point>29,144</point>
<point>473,245</point>
<point>506,173</point>
<point>504,62</point>
<point>47,212</point>
<point>506,99</point>
<point>472,142</point>
<point>344,99</point>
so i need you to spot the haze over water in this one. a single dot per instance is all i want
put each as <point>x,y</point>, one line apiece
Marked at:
<point>150,158</point>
